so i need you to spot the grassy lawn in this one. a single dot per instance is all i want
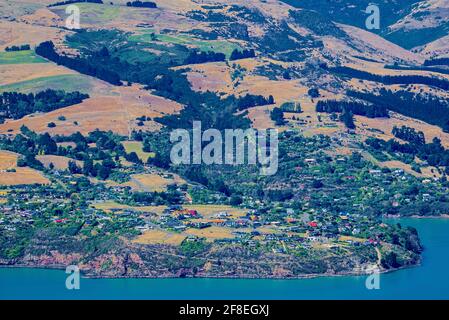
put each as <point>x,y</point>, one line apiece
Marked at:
<point>137,147</point>
<point>69,82</point>
<point>222,46</point>
<point>94,12</point>
<point>19,57</point>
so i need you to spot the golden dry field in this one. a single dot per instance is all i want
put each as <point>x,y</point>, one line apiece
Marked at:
<point>212,233</point>
<point>115,112</point>
<point>154,182</point>
<point>11,175</point>
<point>160,237</point>
<point>59,162</point>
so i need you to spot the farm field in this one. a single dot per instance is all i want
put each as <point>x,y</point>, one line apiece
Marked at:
<point>20,57</point>
<point>66,82</point>
<point>93,13</point>
<point>117,112</point>
<point>32,77</point>
<point>28,32</point>
<point>225,47</point>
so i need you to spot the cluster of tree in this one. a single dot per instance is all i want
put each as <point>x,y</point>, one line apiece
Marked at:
<point>437,62</point>
<point>249,101</point>
<point>237,54</point>
<point>409,134</point>
<point>418,68</point>
<point>357,108</point>
<point>316,22</point>
<point>277,115</point>
<point>23,47</point>
<point>347,117</point>
<point>434,153</point>
<point>67,2</point>
<point>98,161</point>
<point>390,80</point>
<point>16,105</point>
<point>294,107</point>
<point>212,111</point>
<point>430,109</point>
<point>171,196</point>
<point>82,65</point>
<point>141,4</point>
<point>101,170</point>
<point>196,57</point>
<point>313,93</point>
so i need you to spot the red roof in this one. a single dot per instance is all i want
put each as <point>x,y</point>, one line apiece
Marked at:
<point>313,224</point>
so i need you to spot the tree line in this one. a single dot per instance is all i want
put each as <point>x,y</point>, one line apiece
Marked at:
<point>196,57</point>
<point>63,3</point>
<point>437,62</point>
<point>434,153</point>
<point>250,101</point>
<point>15,105</point>
<point>141,4</point>
<point>390,80</point>
<point>430,109</point>
<point>82,65</point>
<point>237,54</point>
<point>409,134</point>
<point>23,47</point>
<point>357,108</point>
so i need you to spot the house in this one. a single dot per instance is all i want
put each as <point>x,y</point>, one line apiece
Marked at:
<point>242,222</point>
<point>218,222</point>
<point>179,228</point>
<point>185,214</point>
<point>310,161</point>
<point>221,215</point>
<point>142,228</point>
<point>313,224</point>
<point>192,238</point>
<point>291,220</point>
<point>200,225</point>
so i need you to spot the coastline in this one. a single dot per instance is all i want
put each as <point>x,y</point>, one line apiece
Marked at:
<point>363,270</point>
<point>441,216</point>
<point>300,277</point>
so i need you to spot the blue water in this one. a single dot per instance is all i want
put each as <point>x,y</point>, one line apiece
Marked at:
<point>428,281</point>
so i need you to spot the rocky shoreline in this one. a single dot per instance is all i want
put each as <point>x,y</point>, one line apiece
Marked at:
<point>90,274</point>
